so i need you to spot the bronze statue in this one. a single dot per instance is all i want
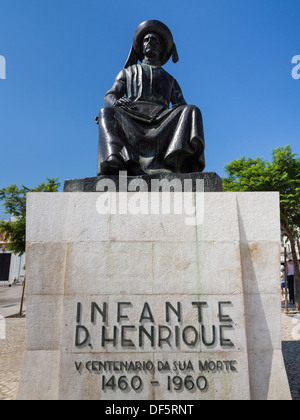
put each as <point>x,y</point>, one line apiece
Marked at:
<point>138,131</point>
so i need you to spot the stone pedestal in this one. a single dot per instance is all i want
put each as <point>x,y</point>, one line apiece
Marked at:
<point>178,306</point>
<point>211,182</point>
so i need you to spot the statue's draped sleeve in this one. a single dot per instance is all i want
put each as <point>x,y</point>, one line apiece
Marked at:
<point>117,91</point>
<point>177,95</point>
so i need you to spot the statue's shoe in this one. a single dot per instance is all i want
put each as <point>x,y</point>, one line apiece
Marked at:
<point>112,166</point>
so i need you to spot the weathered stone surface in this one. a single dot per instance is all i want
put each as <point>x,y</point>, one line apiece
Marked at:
<point>153,288</point>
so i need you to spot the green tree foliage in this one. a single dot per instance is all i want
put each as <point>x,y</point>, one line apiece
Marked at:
<point>283,175</point>
<point>14,202</point>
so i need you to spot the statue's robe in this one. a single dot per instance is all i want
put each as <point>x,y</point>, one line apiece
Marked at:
<point>151,137</point>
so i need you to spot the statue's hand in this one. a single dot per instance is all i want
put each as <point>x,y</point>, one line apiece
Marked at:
<point>125,103</point>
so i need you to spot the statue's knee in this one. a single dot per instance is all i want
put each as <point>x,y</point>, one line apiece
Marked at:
<point>107,112</point>
<point>193,108</point>
<point>102,113</point>
<point>105,116</point>
<point>195,111</point>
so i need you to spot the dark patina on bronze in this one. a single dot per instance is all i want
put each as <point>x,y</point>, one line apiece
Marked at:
<point>138,130</point>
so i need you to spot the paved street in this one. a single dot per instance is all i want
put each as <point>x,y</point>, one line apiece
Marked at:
<point>12,349</point>
<point>12,353</point>
<point>291,351</point>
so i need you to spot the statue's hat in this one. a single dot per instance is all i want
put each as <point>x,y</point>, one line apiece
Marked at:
<point>165,35</point>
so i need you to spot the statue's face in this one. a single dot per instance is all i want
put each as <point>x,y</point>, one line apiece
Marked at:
<point>152,46</point>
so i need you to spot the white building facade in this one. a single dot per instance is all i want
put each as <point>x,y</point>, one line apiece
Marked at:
<point>11,266</point>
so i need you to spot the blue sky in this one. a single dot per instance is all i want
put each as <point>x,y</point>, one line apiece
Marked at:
<point>63,55</point>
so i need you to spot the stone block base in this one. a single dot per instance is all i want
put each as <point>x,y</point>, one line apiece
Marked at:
<point>139,306</point>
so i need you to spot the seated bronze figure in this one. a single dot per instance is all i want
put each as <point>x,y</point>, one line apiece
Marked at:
<point>138,130</point>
